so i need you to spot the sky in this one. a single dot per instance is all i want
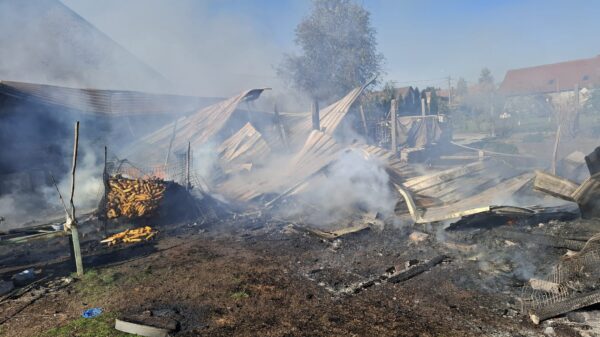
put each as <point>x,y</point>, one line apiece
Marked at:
<point>215,46</point>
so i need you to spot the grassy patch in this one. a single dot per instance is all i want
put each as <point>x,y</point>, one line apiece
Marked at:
<point>101,326</point>
<point>238,295</point>
<point>94,284</point>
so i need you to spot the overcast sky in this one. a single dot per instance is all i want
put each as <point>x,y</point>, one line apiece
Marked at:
<point>237,43</point>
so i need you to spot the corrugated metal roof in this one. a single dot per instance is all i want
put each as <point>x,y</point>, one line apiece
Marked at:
<point>198,128</point>
<point>245,146</point>
<point>107,102</point>
<point>329,117</point>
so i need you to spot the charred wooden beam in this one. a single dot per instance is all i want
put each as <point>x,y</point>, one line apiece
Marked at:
<point>416,270</point>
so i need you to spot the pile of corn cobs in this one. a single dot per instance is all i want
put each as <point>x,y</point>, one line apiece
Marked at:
<point>131,235</point>
<point>132,198</point>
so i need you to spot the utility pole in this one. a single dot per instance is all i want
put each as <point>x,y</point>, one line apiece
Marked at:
<point>393,126</point>
<point>449,91</point>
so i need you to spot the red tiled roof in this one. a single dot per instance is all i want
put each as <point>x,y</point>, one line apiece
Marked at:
<point>552,77</point>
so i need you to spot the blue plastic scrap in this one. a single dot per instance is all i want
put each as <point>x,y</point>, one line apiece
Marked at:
<point>91,313</point>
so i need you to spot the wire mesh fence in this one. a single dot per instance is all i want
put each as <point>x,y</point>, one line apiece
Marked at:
<point>177,170</point>
<point>573,283</point>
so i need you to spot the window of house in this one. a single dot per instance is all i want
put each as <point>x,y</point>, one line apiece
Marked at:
<point>585,77</point>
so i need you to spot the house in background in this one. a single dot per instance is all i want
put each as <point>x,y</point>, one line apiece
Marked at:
<point>556,83</point>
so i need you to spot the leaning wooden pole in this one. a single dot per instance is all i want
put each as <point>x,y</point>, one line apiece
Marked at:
<point>74,231</point>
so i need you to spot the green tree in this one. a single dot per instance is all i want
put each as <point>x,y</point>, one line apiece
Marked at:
<point>486,80</point>
<point>338,50</point>
<point>434,103</point>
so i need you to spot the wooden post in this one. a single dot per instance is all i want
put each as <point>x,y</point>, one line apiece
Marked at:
<point>576,110</point>
<point>281,128</point>
<point>393,126</point>
<point>187,167</point>
<point>106,187</point>
<point>316,122</point>
<point>73,225</point>
<point>364,121</point>
<point>555,153</point>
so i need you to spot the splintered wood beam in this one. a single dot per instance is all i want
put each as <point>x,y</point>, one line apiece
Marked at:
<point>554,185</point>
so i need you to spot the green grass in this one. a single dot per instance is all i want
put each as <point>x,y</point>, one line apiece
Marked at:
<point>101,326</point>
<point>95,284</point>
<point>238,295</point>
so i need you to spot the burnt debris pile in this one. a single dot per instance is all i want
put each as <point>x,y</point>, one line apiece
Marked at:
<point>445,203</point>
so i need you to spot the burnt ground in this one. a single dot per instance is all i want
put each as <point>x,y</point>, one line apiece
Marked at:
<point>261,278</point>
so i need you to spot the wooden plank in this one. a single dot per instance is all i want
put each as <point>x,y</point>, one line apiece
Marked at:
<point>587,197</point>
<point>593,161</point>
<point>139,329</point>
<point>554,185</point>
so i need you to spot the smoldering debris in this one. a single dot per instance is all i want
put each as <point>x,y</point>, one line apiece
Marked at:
<point>225,163</point>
